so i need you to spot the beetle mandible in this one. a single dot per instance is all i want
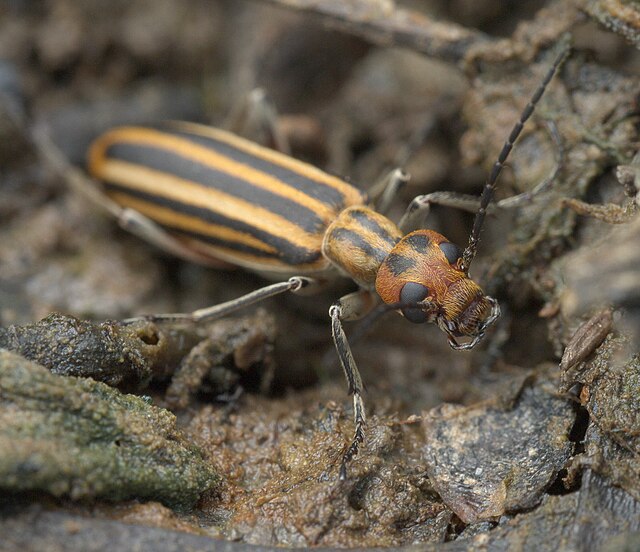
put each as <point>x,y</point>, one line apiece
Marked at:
<point>209,196</point>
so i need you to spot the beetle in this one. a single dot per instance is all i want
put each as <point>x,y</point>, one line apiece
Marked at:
<point>211,196</point>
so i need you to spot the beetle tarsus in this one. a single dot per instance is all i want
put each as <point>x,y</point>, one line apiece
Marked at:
<point>358,436</point>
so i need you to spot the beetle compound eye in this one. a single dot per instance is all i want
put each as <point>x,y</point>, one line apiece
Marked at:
<point>413,292</point>
<point>451,251</point>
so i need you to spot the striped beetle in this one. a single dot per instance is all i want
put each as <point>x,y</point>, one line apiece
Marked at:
<point>210,196</point>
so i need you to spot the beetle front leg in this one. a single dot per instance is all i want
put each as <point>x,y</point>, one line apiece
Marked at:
<point>350,307</point>
<point>419,207</point>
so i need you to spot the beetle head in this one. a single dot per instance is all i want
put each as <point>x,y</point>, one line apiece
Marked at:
<point>423,275</point>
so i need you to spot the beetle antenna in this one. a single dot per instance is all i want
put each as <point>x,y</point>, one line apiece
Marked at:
<point>489,187</point>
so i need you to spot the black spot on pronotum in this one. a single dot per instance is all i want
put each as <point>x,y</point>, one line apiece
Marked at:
<point>398,264</point>
<point>451,251</point>
<point>418,242</point>
<point>413,292</point>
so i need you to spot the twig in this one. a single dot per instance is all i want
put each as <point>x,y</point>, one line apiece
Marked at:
<point>622,18</point>
<point>381,22</point>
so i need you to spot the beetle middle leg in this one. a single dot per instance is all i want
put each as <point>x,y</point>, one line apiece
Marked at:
<point>293,284</point>
<point>351,307</point>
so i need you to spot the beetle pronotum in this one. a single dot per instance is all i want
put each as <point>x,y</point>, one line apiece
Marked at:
<point>211,196</point>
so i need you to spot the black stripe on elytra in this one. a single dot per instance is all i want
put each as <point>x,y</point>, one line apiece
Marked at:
<point>286,251</point>
<point>313,188</point>
<point>169,162</point>
<point>399,264</point>
<point>418,242</point>
<point>363,219</point>
<point>231,245</point>
<point>356,240</point>
<point>235,246</point>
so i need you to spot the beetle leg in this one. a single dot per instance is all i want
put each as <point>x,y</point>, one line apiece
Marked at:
<point>350,307</point>
<point>136,223</point>
<point>294,284</point>
<point>384,192</point>
<point>256,113</point>
<point>419,207</point>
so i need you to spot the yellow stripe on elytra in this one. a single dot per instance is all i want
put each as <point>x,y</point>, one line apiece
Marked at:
<point>352,195</point>
<point>180,221</point>
<point>168,186</point>
<point>212,159</point>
